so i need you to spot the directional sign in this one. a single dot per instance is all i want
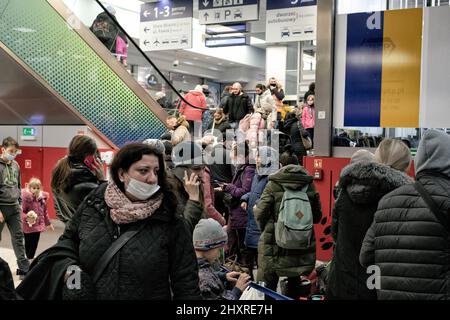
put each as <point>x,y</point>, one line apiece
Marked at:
<point>291,20</point>
<point>166,25</point>
<point>225,11</point>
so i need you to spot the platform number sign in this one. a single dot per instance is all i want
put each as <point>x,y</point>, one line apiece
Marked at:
<point>166,25</point>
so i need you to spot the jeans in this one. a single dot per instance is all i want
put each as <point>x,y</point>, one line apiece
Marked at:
<point>14,222</point>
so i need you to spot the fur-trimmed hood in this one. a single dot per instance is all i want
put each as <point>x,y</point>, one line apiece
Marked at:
<point>367,182</point>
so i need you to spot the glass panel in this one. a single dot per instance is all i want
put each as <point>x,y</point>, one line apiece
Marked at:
<point>292,68</point>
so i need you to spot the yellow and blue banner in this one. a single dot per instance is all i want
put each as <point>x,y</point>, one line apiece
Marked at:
<point>383,69</point>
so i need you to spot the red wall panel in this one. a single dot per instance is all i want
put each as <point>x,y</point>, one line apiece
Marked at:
<point>331,169</point>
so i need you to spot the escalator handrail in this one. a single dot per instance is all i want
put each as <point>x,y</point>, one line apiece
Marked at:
<point>146,57</point>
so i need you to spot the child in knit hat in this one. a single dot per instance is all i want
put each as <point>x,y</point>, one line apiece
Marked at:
<point>209,237</point>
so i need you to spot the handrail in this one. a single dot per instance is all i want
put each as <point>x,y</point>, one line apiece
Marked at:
<point>145,56</point>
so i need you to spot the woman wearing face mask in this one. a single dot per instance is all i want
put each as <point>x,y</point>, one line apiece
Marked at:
<point>308,116</point>
<point>157,262</point>
<point>75,176</point>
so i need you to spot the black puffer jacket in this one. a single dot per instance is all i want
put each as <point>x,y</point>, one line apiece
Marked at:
<point>159,260</point>
<point>237,106</point>
<point>81,182</point>
<point>406,241</point>
<point>292,128</point>
<point>362,185</point>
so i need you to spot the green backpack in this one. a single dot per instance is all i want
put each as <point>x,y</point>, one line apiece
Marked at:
<point>294,228</point>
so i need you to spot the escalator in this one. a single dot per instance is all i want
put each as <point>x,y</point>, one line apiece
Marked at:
<point>53,45</point>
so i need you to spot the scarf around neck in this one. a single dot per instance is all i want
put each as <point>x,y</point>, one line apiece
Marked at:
<point>124,211</point>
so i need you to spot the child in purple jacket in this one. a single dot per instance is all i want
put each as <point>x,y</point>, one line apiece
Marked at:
<point>34,215</point>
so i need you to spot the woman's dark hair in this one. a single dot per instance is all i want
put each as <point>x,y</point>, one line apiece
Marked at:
<point>288,157</point>
<point>312,86</point>
<point>134,152</point>
<point>261,86</point>
<point>80,147</point>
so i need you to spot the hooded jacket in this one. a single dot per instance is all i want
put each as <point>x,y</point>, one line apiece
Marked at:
<point>10,190</point>
<point>406,241</point>
<point>39,206</point>
<point>197,99</point>
<point>308,116</point>
<point>294,129</point>
<point>271,258</point>
<point>240,185</point>
<point>265,102</point>
<point>81,182</point>
<point>362,185</point>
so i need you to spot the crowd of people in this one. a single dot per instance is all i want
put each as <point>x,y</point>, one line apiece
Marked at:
<point>208,208</point>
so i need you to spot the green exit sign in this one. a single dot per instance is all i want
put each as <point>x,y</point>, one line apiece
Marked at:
<point>28,132</point>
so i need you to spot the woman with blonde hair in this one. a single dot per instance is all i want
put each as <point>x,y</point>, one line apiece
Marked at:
<point>181,129</point>
<point>278,95</point>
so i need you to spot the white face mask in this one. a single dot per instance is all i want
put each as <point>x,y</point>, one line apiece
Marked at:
<point>141,190</point>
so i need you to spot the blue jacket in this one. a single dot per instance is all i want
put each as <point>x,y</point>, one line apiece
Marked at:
<point>252,233</point>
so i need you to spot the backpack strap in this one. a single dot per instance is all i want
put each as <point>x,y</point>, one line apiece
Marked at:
<point>432,205</point>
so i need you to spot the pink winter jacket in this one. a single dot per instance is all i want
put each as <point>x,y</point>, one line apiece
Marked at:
<point>208,194</point>
<point>196,98</point>
<point>257,123</point>
<point>38,205</point>
<point>308,116</point>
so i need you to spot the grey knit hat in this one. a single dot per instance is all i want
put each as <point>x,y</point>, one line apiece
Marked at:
<point>209,234</point>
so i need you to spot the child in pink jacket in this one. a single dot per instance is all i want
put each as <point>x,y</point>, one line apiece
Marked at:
<point>34,215</point>
<point>308,116</point>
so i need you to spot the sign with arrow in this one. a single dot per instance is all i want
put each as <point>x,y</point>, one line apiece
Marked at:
<point>226,11</point>
<point>166,25</point>
<point>291,20</point>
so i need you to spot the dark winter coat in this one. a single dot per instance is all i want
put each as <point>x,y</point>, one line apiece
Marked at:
<point>222,127</point>
<point>406,241</point>
<point>212,285</point>
<point>294,129</point>
<point>253,233</point>
<point>362,185</point>
<point>221,169</point>
<point>271,258</point>
<point>81,182</point>
<point>159,263</point>
<point>237,106</point>
<point>7,290</point>
<point>240,185</point>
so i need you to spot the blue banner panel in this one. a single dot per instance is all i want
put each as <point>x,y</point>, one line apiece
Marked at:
<point>283,4</point>
<point>363,69</point>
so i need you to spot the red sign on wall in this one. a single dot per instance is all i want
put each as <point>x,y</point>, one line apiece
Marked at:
<point>27,164</point>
